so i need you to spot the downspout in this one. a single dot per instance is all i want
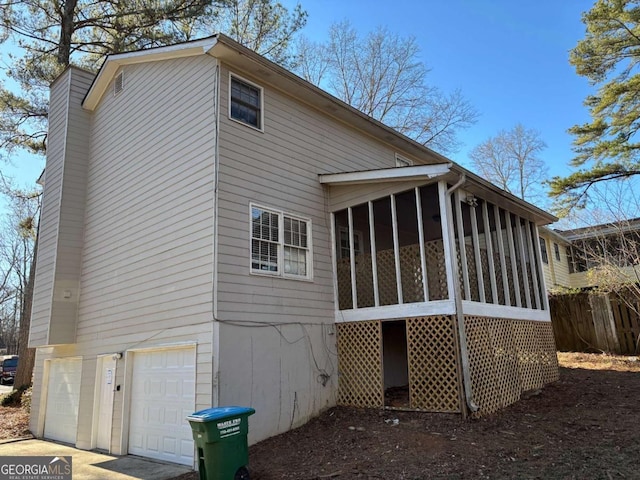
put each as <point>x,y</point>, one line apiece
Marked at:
<point>462,335</point>
<point>215,330</point>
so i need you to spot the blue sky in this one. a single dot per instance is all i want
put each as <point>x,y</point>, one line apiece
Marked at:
<point>509,58</point>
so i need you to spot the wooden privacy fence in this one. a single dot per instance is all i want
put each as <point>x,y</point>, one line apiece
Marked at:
<point>590,322</point>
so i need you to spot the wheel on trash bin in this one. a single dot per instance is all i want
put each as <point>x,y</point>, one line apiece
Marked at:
<point>242,474</point>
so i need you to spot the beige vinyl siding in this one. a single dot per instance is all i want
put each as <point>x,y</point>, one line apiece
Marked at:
<point>147,261</point>
<point>277,369</point>
<point>149,230</point>
<point>54,316</point>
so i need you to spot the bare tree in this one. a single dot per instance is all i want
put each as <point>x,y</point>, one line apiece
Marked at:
<point>381,75</point>
<point>511,161</point>
<point>16,254</point>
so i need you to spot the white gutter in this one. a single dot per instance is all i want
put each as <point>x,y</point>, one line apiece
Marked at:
<point>462,335</point>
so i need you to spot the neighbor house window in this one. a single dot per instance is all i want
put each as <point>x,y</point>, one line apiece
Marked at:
<point>280,243</point>
<point>556,250</point>
<point>245,103</point>
<point>543,250</point>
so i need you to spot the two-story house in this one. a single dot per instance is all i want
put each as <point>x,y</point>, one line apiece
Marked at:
<point>217,231</point>
<point>586,257</point>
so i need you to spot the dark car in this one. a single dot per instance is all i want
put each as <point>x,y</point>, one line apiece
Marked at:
<point>8,367</point>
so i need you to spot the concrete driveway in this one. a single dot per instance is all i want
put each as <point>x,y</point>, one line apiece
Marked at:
<point>96,466</point>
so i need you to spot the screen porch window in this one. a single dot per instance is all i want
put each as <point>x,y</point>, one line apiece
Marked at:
<point>280,243</point>
<point>246,103</point>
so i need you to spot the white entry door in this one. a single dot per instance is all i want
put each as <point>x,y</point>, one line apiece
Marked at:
<point>162,395</point>
<point>63,399</point>
<point>106,376</point>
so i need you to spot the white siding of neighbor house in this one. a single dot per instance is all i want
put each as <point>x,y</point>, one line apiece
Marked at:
<point>147,262</point>
<point>55,306</point>
<point>556,272</point>
<point>277,368</point>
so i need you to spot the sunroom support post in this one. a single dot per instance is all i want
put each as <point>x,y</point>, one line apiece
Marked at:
<point>490,258</point>
<point>514,260</point>
<point>423,257</point>
<point>449,251</point>
<point>503,263</point>
<point>334,262</point>
<point>462,246</point>
<point>476,253</point>
<point>523,262</point>
<point>396,248</point>
<point>457,295</point>
<point>532,255</point>
<point>374,258</point>
<point>352,261</point>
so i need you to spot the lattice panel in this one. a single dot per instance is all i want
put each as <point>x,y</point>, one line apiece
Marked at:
<point>433,364</point>
<point>364,281</point>
<point>411,274</point>
<point>482,365</point>
<point>436,270</point>
<point>344,284</point>
<point>508,357</point>
<point>506,361</point>
<point>387,288</point>
<point>529,350</point>
<point>360,364</point>
<point>549,356</point>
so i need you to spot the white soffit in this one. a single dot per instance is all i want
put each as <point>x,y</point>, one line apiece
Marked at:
<point>418,172</point>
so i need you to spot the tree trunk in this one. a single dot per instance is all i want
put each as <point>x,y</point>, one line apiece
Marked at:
<point>66,33</point>
<point>27,355</point>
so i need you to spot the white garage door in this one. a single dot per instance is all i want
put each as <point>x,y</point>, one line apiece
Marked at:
<point>162,395</point>
<point>63,398</point>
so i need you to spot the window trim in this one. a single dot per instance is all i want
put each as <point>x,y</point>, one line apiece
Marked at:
<point>401,159</point>
<point>260,127</point>
<point>281,244</point>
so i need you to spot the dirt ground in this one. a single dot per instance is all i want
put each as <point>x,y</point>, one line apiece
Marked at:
<point>583,427</point>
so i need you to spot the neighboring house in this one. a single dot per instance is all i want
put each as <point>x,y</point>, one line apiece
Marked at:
<point>588,256</point>
<point>556,259</point>
<point>217,231</point>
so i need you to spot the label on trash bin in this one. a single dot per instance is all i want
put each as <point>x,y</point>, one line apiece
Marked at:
<point>229,428</point>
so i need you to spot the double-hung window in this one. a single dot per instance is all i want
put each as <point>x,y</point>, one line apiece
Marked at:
<point>280,243</point>
<point>245,102</point>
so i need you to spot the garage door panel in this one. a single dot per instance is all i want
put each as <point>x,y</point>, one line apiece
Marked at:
<point>162,395</point>
<point>63,400</point>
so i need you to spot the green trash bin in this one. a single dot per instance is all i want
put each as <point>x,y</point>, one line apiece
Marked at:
<point>220,435</point>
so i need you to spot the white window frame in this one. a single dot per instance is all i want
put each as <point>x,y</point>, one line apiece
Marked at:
<point>403,161</point>
<point>260,126</point>
<point>281,244</point>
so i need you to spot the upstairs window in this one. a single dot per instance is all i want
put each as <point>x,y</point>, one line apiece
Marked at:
<point>280,244</point>
<point>556,249</point>
<point>245,103</point>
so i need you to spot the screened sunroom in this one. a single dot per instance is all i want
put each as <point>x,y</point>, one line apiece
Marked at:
<point>440,297</point>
